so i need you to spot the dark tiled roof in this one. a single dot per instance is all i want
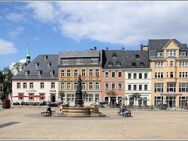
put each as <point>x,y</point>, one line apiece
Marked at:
<point>46,63</point>
<point>159,44</point>
<point>79,54</point>
<point>126,59</point>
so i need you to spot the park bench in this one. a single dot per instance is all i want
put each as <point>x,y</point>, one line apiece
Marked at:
<point>47,114</point>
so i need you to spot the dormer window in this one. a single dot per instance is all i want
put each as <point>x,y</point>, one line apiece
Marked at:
<point>171,53</point>
<point>49,64</point>
<point>26,72</point>
<point>114,55</point>
<point>137,56</point>
<point>110,63</point>
<point>45,57</point>
<point>39,72</point>
<point>133,64</point>
<point>142,64</point>
<point>52,72</point>
<point>36,64</point>
<point>183,53</point>
<point>118,63</point>
<point>159,54</point>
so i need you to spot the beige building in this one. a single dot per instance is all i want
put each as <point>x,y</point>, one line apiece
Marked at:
<point>169,65</point>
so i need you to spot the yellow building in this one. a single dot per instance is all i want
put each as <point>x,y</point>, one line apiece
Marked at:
<point>84,63</point>
<point>169,65</point>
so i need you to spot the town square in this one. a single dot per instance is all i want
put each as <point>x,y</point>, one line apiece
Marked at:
<point>93,70</point>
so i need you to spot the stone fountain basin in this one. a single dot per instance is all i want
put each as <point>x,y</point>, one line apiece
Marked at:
<point>76,111</point>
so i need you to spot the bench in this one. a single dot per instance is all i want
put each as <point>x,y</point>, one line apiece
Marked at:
<point>47,114</point>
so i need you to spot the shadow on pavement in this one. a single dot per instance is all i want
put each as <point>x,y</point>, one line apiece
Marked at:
<point>8,124</point>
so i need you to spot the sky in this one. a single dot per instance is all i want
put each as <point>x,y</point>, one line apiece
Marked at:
<point>52,27</point>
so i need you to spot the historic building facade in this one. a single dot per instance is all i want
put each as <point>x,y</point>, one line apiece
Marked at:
<point>37,82</point>
<point>169,65</point>
<point>88,64</point>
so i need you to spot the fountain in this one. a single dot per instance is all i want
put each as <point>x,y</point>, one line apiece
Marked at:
<point>79,110</point>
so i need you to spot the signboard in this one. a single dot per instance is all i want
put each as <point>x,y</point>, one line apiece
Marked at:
<point>52,91</point>
<point>31,91</point>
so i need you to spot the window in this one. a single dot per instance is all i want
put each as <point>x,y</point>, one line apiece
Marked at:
<point>27,72</point>
<point>52,72</point>
<point>171,63</point>
<point>89,98</point>
<point>75,73</point>
<point>75,86</point>
<point>97,73</point>
<point>145,75</point>
<point>20,96</point>
<point>106,86</point>
<point>119,74</point>
<point>134,87</point>
<point>49,64</point>
<point>31,85</point>
<point>39,72</point>
<point>62,86</point>
<point>106,74</point>
<point>145,87</point>
<point>90,72</point>
<point>129,75</point>
<point>31,97</point>
<point>96,97</point>
<point>68,86</point>
<point>84,86</point>
<point>64,61</point>
<point>182,53</point>
<point>158,64</point>
<point>83,72</point>
<point>78,61</point>
<point>18,86</point>
<point>171,87</point>
<point>52,85</point>
<point>113,86</point>
<point>36,64</point>
<point>133,64</point>
<point>70,97</point>
<point>140,75</point>
<point>158,87</point>
<point>119,86</point>
<point>68,72</point>
<point>97,85</point>
<point>159,54</point>
<point>41,96</point>
<point>90,85</point>
<point>42,85</point>
<point>171,53</point>
<point>62,73</point>
<point>129,87</point>
<point>113,74</point>
<point>158,74</point>
<point>183,74</point>
<point>171,75</point>
<point>137,56</point>
<point>183,63</point>
<point>135,75</point>
<point>183,87</point>
<point>25,85</point>
<point>140,87</point>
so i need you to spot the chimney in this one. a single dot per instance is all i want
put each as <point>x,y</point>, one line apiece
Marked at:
<point>123,48</point>
<point>95,48</point>
<point>106,48</point>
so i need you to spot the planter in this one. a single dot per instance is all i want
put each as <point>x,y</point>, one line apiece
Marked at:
<point>6,104</point>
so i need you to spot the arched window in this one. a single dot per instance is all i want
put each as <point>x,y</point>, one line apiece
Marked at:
<point>49,64</point>
<point>39,72</point>
<point>27,72</point>
<point>52,72</point>
<point>45,57</point>
<point>36,64</point>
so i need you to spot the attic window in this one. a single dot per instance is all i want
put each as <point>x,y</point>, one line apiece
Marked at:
<point>36,64</point>
<point>142,64</point>
<point>118,63</point>
<point>52,72</point>
<point>45,57</point>
<point>39,72</point>
<point>49,64</point>
<point>110,63</point>
<point>26,72</point>
<point>137,56</point>
<point>133,64</point>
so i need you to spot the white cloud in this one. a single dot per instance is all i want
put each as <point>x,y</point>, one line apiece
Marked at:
<point>15,17</point>
<point>7,47</point>
<point>115,22</point>
<point>16,32</point>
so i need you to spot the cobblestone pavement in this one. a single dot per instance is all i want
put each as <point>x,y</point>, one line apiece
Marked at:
<point>26,123</point>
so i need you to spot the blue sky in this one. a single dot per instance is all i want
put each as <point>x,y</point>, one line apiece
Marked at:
<point>51,27</point>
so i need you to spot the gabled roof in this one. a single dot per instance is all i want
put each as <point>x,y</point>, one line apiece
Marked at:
<point>126,59</point>
<point>33,68</point>
<point>159,44</point>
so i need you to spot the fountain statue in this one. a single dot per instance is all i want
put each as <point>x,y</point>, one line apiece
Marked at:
<point>79,110</point>
<point>78,96</point>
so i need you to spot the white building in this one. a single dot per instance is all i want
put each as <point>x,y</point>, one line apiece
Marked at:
<point>138,80</point>
<point>37,82</point>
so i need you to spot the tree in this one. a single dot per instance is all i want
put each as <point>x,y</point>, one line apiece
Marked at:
<point>135,96</point>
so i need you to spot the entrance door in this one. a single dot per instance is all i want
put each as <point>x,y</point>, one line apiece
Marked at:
<point>171,101</point>
<point>52,97</point>
<point>113,101</point>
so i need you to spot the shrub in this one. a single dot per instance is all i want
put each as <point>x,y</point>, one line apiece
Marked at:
<point>6,103</point>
